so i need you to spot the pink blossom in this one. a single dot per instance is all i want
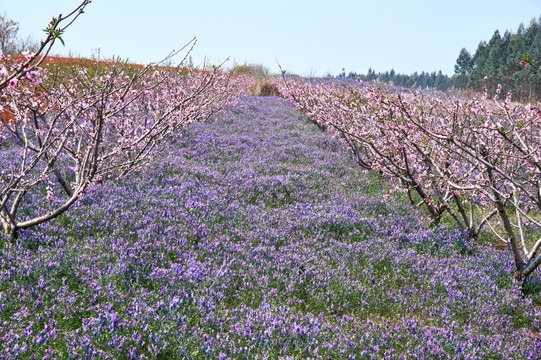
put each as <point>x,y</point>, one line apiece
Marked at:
<point>34,76</point>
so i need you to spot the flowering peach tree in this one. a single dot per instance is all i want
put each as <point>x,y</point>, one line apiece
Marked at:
<point>65,128</point>
<point>476,161</point>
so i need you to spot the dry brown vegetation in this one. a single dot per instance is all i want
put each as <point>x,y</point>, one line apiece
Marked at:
<point>265,88</point>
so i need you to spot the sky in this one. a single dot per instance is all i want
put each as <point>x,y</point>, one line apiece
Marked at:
<point>310,38</point>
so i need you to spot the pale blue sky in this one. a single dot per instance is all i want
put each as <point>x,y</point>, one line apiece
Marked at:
<point>306,37</point>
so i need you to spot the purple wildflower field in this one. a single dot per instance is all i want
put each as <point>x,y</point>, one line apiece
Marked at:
<point>256,236</point>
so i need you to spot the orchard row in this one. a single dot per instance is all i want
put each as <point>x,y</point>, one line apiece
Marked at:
<point>474,160</point>
<point>65,127</point>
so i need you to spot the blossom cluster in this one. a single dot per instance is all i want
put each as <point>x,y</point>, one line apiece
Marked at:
<point>34,76</point>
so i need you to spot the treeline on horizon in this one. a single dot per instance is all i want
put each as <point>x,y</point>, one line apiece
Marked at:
<point>497,61</point>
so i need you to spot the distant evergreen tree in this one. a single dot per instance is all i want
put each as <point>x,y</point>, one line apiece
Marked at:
<point>498,62</point>
<point>424,80</point>
<point>494,62</point>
